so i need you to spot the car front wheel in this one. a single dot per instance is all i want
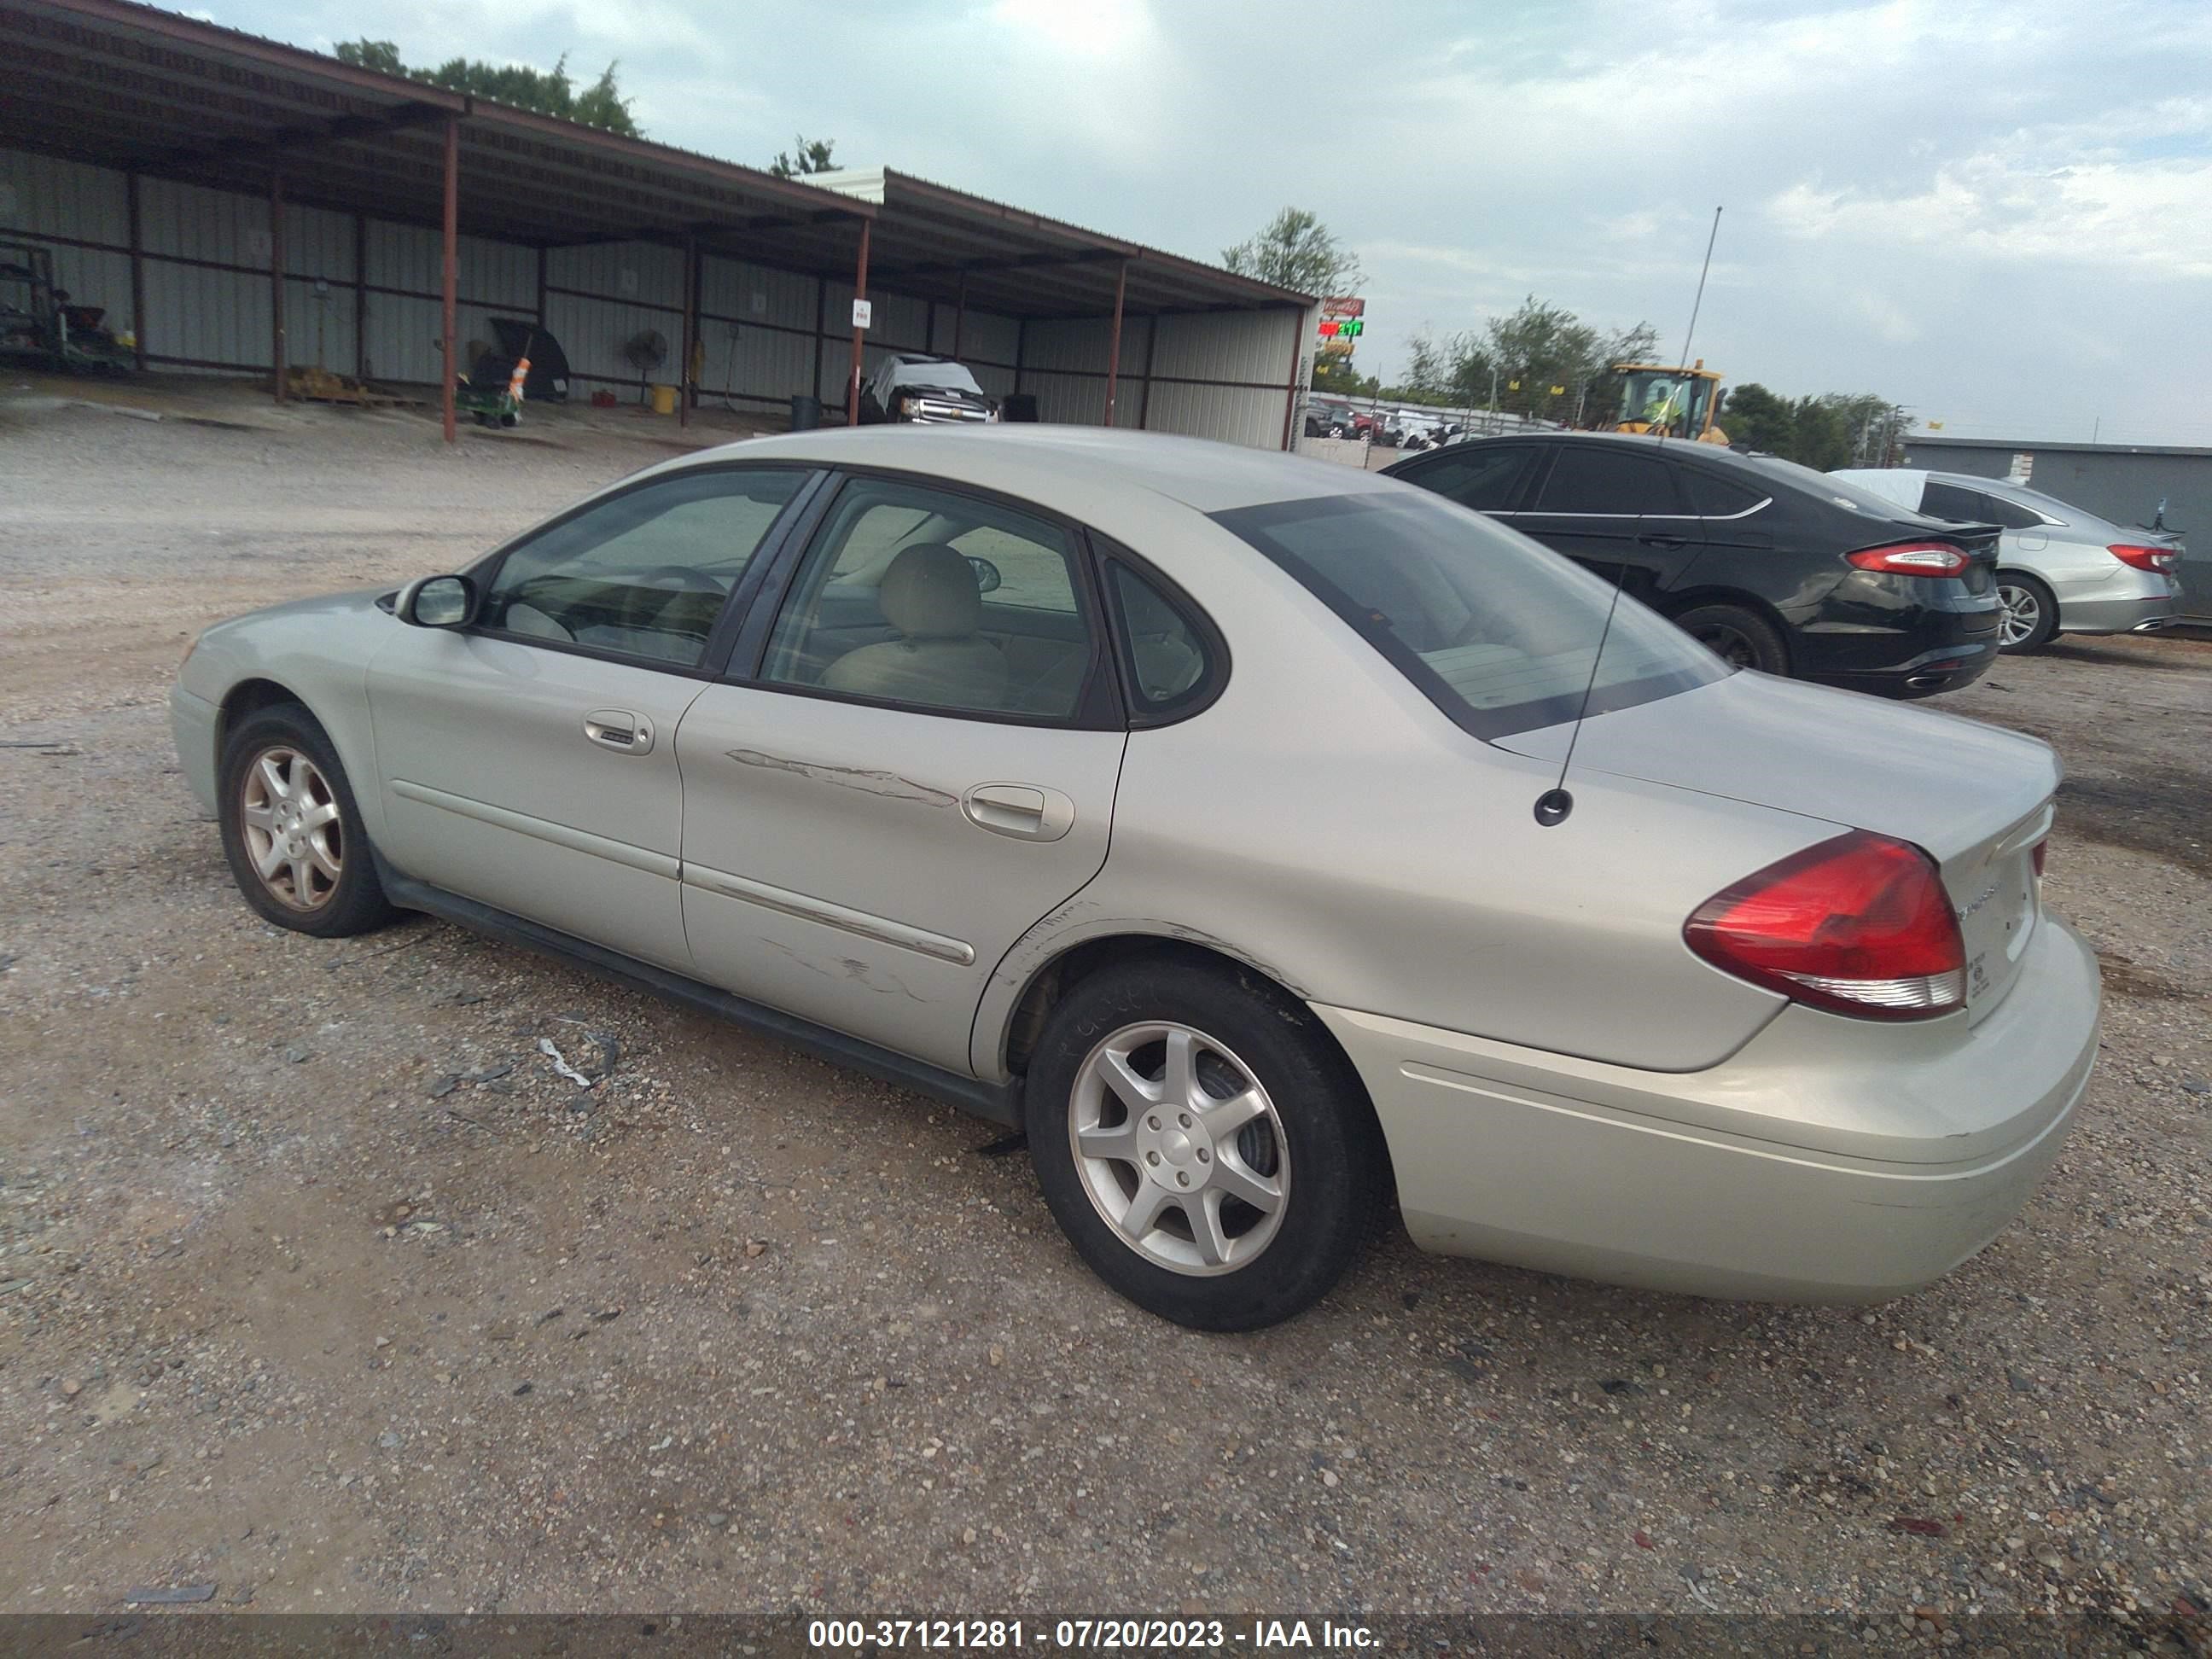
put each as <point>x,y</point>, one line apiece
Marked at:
<point>1205,1148</point>
<point>291,830</point>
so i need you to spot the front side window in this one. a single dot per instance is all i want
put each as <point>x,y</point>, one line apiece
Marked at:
<point>923,597</point>
<point>1499,633</point>
<point>1602,478</point>
<point>644,573</point>
<point>1485,479</point>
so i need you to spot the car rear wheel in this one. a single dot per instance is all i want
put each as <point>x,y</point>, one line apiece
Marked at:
<point>291,830</point>
<point>1207,1150</point>
<point>2030,616</point>
<point>1742,638</point>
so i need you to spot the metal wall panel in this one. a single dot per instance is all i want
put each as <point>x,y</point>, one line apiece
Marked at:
<point>1227,413</point>
<point>43,198</point>
<point>756,367</point>
<point>499,275</point>
<point>643,284</point>
<point>1075,399</point>
<point>204,316</point>
<point>984,338</point>
<point>756,295</point>
<point>319,327</point>
<point>1228,346</point>
<point>1076,343</point>
<point>195,222</point>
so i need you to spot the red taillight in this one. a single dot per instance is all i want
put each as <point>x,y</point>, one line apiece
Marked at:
<point>1859,924</point>
<point>2042,853</point>
<point>2158,560</point>
<point>1911,559</point>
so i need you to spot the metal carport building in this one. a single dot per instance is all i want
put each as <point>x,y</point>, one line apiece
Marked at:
<point>241,205</point>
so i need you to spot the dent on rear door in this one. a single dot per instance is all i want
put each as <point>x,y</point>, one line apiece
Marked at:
<point>837,864</point>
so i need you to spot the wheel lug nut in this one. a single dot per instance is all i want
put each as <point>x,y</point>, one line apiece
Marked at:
<point>1183,1118</point>
<point>1205,1157</point>
<point>1151,1123</point>
<point>1181,1180</point>
<point>1151,1157</point>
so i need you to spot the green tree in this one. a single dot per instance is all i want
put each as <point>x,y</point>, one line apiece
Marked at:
<point>1755,418</point>
<point>1826,431</point>
<point>549,93</point>
<point>382,55</point>
<point>1336,376</point>
<point>811,155</point>
<point>1296,251</point>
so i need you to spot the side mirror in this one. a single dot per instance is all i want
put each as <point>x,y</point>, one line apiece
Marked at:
<point>987,578</point>
<point>438,602</point>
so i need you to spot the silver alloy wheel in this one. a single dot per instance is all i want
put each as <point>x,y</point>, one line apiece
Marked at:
<point>2023,614</point>
<point>290,819</point>
<point>1179,1148</point>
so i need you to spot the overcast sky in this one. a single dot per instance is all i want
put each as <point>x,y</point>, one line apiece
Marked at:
<point>1998,213</point>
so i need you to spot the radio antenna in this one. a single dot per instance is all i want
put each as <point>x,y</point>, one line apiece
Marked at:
<point>1555,803</point>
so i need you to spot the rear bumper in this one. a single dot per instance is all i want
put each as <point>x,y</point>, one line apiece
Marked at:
<point>2129,615</point>
<point>1944,668</point>
<point>1911,648</point>
<point>1798,1170</point>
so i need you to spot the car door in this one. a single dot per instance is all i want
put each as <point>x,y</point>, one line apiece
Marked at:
<point>912,761</point>
<point>528,761</point>
<point>1613,507</point>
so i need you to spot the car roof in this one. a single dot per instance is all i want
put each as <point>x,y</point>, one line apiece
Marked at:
<point>1682,447</point>
<point>1058,465</point>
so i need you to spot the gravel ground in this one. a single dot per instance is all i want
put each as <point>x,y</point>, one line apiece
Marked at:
<point>319,1284</point>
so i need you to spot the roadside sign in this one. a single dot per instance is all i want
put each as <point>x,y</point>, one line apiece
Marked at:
<point>863,313</point>
<point>1344,305</point>
<point>2023,465</point>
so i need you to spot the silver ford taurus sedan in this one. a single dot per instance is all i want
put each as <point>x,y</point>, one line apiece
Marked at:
<point>1197,810</point>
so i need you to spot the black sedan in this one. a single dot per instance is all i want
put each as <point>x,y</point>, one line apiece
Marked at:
<point>1772,565</point>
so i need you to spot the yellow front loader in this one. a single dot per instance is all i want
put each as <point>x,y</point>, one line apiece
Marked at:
<point>1679,402</point>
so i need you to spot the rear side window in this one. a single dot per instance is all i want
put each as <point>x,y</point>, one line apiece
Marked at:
<point>2011,514</point>
<point>1499,633</point>
<point>1487,480</point>
<point>1712,496</point>
<point>1943,500</point>
<point>1595,479</point>
<point>1171,664</point>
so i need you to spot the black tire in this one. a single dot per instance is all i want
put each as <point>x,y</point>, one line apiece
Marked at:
<point>1333,1151</point>
<point>1737,636</point>
<point>2031,593</point>
<point>354,903</point>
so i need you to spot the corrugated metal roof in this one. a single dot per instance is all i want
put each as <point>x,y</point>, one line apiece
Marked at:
<point>130,86</point>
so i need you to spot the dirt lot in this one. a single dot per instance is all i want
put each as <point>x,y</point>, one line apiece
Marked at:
<point>319,1284</point>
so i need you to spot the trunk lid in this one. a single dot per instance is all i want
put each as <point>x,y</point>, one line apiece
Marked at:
<point>1976,798</point>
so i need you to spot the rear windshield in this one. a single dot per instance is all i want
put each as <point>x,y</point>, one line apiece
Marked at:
<point>1498,632</point>
<point>1839,492</point>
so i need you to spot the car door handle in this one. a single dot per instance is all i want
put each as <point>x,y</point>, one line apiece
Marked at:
<point>1656,539</point>
<point>619,730</point>
<point>1024,811</point>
